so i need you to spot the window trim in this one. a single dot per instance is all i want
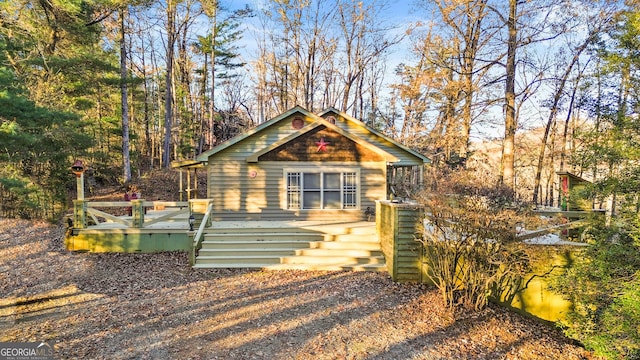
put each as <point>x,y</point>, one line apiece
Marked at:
<point>321,170</point>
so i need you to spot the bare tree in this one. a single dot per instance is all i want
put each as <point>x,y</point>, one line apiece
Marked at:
<point>598,19</point>
<point>559,93</point>
<point>126,161</point>
<point>366,40</point>
<point>467,22</point>
<point>510,122</point>
<point>168,101</point>
<point>315,56</point>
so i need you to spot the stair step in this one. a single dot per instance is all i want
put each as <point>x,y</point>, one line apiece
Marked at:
<point>364,228</point>
<point>338,252</point>
<point>283,252</point>
<point>350,237</point>
<point>237,265</point>
<point>308,267</point>
<point>303,259</point>
<point>361,245</point>
<point>328,267</point>
<point>306,259</point>
<point>233,244</point>
<point>242,252</point>
<point>228,261</point>
<point>271,236</point>
<point>262,230</point>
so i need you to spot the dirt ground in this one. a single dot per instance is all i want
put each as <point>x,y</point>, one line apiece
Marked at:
<point>154,306</point>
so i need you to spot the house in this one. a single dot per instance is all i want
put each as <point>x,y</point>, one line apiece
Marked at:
<point>570,183</point>
<point>305,166</point>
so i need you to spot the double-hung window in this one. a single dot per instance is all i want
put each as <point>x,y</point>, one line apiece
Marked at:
<point>322,188</point>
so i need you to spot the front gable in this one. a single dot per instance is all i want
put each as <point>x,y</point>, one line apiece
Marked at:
<point>321,144</point>
<point>349,140</point>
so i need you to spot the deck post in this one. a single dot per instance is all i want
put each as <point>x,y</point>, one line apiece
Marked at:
<point>397,225</point>
<point>188,184</point>
<point>137,212</point>
<point>79,214</point>
<point>192,251</point>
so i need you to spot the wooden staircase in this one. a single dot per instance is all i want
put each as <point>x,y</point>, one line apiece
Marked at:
<point>298,245</point>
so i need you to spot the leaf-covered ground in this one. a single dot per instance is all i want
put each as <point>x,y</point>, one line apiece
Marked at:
<point>154,306</point>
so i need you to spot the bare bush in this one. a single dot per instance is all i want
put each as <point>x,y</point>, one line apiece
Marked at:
<point>469,238</point>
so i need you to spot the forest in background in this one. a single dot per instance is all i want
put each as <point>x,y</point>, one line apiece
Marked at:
<point>514,90</point>
<point>497,93</point>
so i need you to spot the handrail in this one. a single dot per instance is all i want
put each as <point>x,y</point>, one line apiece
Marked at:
<point>90,209</point>
<point>197,239</point>
<point>165,217</point>
<point>94,213</point>
<point>146,203</point>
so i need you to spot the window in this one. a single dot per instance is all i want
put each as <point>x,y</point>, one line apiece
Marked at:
<point>322,189</point>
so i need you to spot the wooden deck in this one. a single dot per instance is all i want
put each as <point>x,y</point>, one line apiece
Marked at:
<point>284,244</point>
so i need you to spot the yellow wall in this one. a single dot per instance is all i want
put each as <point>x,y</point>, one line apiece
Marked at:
<point>537,299</point>
<point>402,254</point>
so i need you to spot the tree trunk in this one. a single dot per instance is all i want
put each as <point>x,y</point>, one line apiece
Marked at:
<point>124,99</point>
<point>510,123</point>
<point>565,131</point>
<point>168,102</point>
<point>147,116</point>
<point>212,108</point>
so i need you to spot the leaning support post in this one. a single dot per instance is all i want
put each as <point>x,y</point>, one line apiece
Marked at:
<point>181,186</point>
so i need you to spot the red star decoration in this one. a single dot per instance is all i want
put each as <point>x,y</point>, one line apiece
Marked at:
<point>322,145</point>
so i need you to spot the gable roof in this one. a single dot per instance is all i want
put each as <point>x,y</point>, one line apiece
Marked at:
<point>205,155</point>
<point>322,122</point>
<point>375,132</point>
<point>318,121</point>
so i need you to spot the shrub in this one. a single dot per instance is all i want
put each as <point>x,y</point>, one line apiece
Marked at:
<point>469,237</point>
<point>604,287</point>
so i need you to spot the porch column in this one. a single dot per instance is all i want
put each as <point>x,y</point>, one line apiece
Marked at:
<point>181,186</point>
<point>195,182</point>
<point>188,184</point>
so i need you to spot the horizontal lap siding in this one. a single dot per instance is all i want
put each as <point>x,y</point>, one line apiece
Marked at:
<point>237,193</point>
<point>234,191</point>
<point>404,157</point>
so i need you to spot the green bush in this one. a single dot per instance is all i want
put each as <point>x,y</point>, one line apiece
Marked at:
<point>604,287</point>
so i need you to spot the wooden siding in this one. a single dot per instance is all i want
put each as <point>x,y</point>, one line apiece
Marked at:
<point>128,240</point>
<point>261,139</point>
<point>258,191</point>
<point>397,225</point>
<point>364,133</point>
<point>306,148</point>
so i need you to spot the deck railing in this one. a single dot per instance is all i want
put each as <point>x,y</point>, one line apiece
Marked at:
<point>199,236</point>
<point>85,210</point>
